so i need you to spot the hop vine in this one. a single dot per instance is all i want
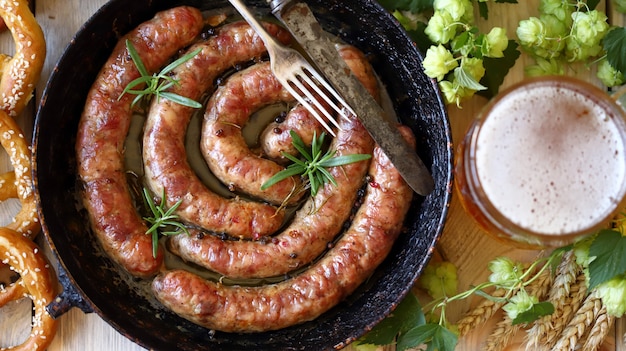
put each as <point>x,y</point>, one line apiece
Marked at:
<point>568,32</point>
<point>456,52</point>
<point>465,62</point>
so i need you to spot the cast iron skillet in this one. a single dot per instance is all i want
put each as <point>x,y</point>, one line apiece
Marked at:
<point>93,283</point>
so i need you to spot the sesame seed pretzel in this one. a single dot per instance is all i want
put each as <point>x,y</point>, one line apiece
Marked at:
<point>3,26</point>
<point>12,140</point>
<point>12,292</point>
<point>38,280</point>
<point>21,72</point>
<point>8,187</point>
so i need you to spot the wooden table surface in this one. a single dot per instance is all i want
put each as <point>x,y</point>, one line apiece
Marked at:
<point>461,243</point>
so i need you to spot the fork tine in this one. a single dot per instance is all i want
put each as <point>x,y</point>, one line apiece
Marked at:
<point>313,82</point>
<point>291,69</point>
<point>305,89</point>
<point>314,111</point>
<point>311,73</point>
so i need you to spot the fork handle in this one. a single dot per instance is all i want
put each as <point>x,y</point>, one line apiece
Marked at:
<point>245,12</point>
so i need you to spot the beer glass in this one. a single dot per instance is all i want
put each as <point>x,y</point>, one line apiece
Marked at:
<point>544,164</point>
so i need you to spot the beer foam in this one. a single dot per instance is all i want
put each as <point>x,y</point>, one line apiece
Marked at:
<point>558,161</point>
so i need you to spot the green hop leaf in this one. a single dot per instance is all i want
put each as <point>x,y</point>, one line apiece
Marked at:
<point>498,69</point>
<point>419,36</point>
<point>615,46</point>
<point>407,5</point>
<point>470,72</point>
<point>407,315</point>
<point>436,336</point>
<point>536,311</point>
<point>609,250</point>
<point>592,4</point>
<point>483,10</point>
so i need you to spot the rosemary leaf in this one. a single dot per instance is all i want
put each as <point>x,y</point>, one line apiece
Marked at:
<point>162,219</point>
<point>157,84</point>
<point>314,163</point>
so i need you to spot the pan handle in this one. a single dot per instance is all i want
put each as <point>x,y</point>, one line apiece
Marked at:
<point>68,298</point>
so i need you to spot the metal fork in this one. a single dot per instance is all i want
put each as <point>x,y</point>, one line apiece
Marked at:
<point>298,76</point>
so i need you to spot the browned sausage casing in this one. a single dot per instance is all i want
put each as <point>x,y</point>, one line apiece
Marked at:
<point>315,225</point>
<point>164,153</point>
<point>223,145</point>
<point>276,139</point>
<point>352,260</point>
<point>103,128</point>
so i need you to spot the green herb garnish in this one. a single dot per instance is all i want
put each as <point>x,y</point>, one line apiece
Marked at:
<point>158,83</point>
<point>314,166</point>
<point>162,218</point>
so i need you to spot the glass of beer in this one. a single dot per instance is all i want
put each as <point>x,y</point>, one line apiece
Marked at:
<point>544,164</point>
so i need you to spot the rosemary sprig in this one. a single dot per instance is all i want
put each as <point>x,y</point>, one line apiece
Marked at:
<point>162,218</point>
<point>313,168</point>
<point>158,83</point>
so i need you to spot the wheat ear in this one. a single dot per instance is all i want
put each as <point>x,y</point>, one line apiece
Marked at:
<point>579,327</point>
<point>504,331</point>
<point>598,331</point>
<point>566,294</point>
<point>481,313</point>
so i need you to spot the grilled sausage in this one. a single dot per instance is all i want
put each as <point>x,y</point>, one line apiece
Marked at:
<point>269,307</point>
<point>313,227</point>
<point>275,138</point>
<point>223,145</point>
<point>164,154</point>
<point>103,128</point>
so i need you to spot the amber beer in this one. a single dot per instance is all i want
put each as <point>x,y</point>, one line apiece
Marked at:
<point>545,162</point>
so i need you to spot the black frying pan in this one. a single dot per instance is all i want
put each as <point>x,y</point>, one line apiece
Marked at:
<point>93,283</point>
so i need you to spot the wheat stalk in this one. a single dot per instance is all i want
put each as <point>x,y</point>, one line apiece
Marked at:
<point>566,294</point>
<point>481,313</point>
<point>566,275</point>
<point>504,331</point>
<point>501,335</point>
<point>567,311</point>
<point>598,331</point>
<point>579,327</point>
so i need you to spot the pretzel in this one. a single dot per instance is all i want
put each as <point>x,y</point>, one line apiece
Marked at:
<point>21,72</point>
<point>3,26</point>
<point>12,139</point>
<point>38,280</point>
<point>8,186</point>
<point>12,292</point>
